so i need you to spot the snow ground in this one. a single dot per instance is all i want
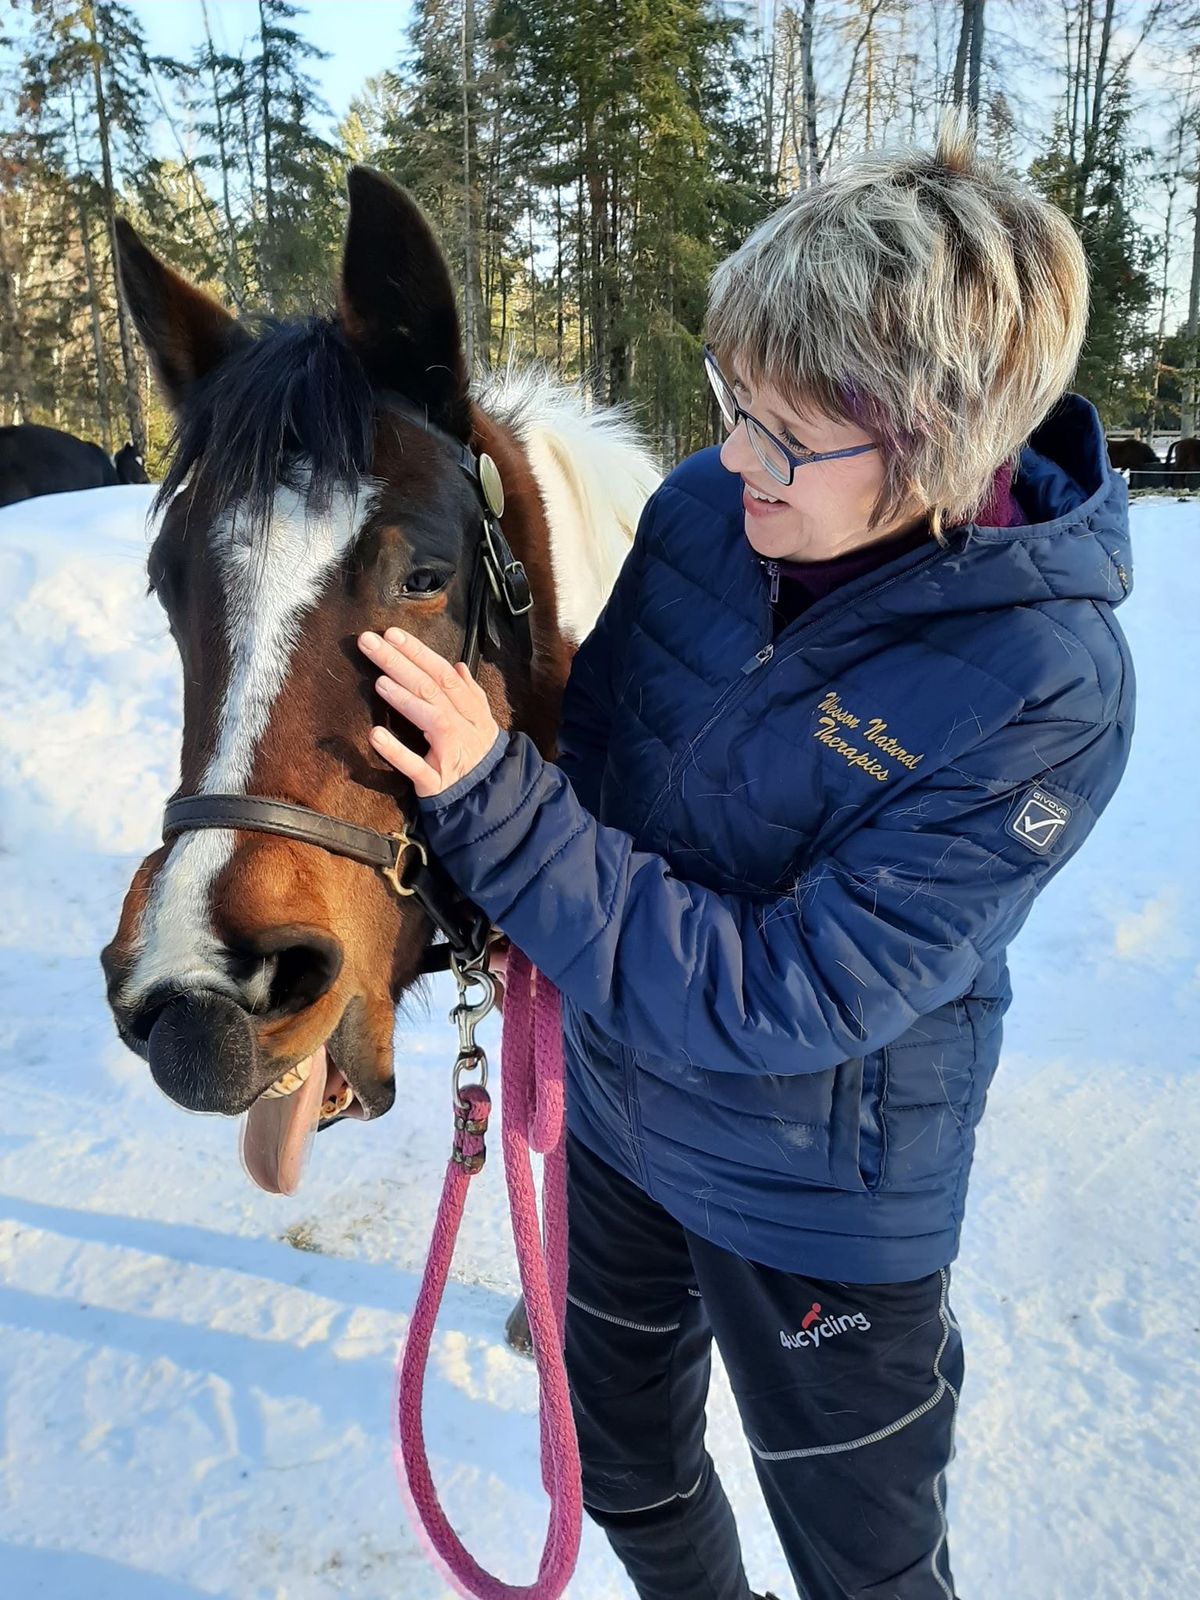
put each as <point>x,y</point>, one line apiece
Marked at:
<point>195,1378</point>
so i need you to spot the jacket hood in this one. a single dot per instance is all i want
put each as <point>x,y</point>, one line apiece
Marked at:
<point>1074,545</point>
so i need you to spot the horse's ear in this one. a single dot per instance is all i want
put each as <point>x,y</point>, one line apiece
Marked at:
<point>185,332</point>
<point>396,301</point>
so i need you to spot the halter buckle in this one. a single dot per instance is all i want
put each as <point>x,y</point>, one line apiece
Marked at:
<point>509,580</point>
<point>402,842</point>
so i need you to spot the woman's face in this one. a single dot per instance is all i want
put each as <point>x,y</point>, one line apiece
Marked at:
<point>824,511</point>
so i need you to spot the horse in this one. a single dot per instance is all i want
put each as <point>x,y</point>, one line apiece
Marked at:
<point>35,460</point>
<point>1183,456</point>
<point>130,466</point>
<point>328,476</point>
<point>1129,454</point>
<point>1180,470</point>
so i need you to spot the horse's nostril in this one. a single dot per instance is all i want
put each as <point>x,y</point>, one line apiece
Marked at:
<point>303,973</point>
<point>284,970</point>
<point>139,1021</point>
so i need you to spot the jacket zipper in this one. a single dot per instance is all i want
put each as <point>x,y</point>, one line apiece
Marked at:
<point>758,659</point>
<point>747,677</point>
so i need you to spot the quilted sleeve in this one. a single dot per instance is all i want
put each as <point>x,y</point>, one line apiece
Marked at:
<point>890,926</point>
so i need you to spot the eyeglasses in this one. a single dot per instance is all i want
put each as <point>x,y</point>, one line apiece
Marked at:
<point>774,455</point>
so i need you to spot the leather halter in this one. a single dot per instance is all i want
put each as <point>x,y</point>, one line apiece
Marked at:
<point>498,582</point>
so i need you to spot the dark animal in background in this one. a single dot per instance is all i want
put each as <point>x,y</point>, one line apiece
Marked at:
<point>1126,454</point>
<point>36,460</point>
<point>1181,470</point>
<point>129,466</point>
<point>1184,456</point>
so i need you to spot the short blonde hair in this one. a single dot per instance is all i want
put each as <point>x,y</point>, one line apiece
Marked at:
<point>930,298</point>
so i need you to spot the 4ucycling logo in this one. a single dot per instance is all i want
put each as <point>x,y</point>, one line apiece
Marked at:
<point>815,1329</point>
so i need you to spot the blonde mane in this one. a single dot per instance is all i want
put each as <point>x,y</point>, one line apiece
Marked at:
<point>595,476</point>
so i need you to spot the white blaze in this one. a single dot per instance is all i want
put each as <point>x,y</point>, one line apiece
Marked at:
<point>269,584</point>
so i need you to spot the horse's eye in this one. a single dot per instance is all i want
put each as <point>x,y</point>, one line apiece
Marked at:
<point>424,581</point>
<point>161,579</point>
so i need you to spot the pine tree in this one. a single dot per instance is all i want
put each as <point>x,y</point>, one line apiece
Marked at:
<point>1101,187</point>
<point>650,134</point>
<point>434,122</point>
<point>85,75</point>
<point>20,203</point>
<point>215,90</point>
<point>297,222</point>
<point>119,67</point>
<point>364,133</point>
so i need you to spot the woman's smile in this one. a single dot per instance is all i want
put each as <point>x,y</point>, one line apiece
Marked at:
<point>758,503</point>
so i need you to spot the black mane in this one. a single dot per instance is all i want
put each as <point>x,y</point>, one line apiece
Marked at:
<point>291,406</point>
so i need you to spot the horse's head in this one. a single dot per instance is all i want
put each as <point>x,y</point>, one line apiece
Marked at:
<point>129,466</point>
<point>317,489</point>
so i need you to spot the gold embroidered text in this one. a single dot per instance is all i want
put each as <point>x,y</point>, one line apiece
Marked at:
<point>834,717</point>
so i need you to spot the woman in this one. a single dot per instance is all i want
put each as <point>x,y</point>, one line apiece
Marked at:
<point>857,696</point>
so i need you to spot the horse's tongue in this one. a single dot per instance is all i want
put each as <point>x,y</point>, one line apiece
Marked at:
<point>275,1133</point>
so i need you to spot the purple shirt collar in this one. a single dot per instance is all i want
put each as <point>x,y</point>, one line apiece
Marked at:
<point>801,583</point>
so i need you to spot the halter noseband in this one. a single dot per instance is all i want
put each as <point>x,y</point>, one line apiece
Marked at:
<point>498,580</point>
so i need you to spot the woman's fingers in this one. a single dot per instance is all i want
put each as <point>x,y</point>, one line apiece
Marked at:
<point>426,780</point>
<point>474,690</point>
<point>443,701</point>
<point>432,703</point>
<point>421,670</point>
<point>429,716</point>
<point>390,659</point>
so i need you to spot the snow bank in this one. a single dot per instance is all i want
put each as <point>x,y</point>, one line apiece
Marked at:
<point>196,1379</point>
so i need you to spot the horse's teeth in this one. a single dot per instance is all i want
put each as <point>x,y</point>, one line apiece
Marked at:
<point>288,1082</point>
<point>337,1103</point>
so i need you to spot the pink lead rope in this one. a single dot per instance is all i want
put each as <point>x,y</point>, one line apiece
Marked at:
<point>532,1105</point>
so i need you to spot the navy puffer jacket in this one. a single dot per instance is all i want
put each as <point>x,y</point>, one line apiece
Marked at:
<point>775,881</point>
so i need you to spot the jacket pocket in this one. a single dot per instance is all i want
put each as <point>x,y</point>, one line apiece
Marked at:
<point>857,1132</point>
<point>602,1096</point>
<point>633,1113</point>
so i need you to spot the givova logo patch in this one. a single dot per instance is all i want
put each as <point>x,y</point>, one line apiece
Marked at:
<point>1039,820</point>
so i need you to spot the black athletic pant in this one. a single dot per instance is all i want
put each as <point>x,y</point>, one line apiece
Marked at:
<point>847,1394</point>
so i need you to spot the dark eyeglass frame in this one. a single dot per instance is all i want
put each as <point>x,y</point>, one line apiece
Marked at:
<point>732,413</point>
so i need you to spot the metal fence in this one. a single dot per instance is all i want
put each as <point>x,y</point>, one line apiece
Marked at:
<point>1163,479</point>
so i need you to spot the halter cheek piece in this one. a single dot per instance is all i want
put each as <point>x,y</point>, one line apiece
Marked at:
<point>498,589</point>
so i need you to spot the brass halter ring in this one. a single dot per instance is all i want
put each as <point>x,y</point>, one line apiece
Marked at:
<point>402,842</point>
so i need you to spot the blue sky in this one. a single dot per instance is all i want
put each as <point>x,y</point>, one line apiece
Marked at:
<point>362,36</point>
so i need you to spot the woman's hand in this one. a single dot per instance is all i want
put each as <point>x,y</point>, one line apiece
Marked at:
<point>445,702</point>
